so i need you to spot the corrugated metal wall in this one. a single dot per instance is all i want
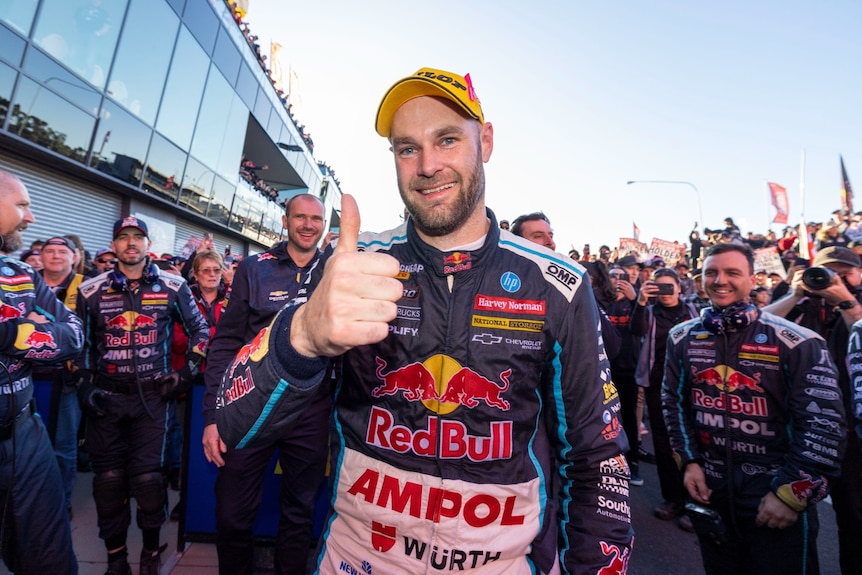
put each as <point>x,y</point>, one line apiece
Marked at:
<point>63,206</point>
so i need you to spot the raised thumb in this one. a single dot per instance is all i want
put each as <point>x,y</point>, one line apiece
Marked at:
<point>348,233</point>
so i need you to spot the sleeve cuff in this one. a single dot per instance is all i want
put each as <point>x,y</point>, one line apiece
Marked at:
<point>291,361</point>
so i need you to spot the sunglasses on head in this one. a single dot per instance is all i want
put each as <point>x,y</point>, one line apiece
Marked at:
<point>102,261</point>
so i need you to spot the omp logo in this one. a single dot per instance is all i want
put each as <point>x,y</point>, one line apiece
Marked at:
<point>563,276</point>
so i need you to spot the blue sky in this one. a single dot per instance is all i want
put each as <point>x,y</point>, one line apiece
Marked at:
<point>585,96</point>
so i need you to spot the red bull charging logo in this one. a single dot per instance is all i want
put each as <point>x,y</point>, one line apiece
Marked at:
<point>442,384</point>
<point>29,338</point>
<point>130,320</point>
<point>8,312</point>
<point>726,378</point>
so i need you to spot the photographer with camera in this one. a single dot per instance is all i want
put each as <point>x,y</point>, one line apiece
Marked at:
<point>756,423</point>
<point>826,299</point>
<point>658,309</point>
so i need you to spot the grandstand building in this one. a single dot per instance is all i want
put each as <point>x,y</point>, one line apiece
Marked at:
<point>149,108</point>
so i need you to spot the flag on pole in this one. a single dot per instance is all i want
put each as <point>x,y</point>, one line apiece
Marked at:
<point>806,250</point>
<point>846,191</point>
<point>779,202</point>
<point>275,65</point>
<point>636,231</point>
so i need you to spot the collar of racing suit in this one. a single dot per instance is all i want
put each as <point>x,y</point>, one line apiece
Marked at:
<point>447,263</point>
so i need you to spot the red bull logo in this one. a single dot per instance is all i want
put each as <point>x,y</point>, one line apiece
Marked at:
<point>130,320</point>
<point>40,339</point>
<point>255,349</point>
<point>726,378</point>
<point>457,262</point>
<point>415,380</point>
<point>619,563</point>
<point>266,256</point>
<point>468,387</point>
<point>240,387</point>
<point>8,312</point>
<point>757,407</point>
<point>442,384</point>
<point>119,321</point>
<point>805,489</point>
<point>442,438</point>
<point>144,321</point>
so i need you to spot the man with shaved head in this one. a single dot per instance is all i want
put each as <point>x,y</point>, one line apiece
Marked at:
<point>35,329</point>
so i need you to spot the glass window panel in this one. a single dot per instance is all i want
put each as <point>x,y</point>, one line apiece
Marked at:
<point>18,15</point>
<point>178,5</point>
<point>262,108</point>
<point>183,92</point>
<point>203,23</point>
<point>7,82</point>
<point>13,46</point>
<point>165,166</point>
<point>234,139</point>
<point>141,66</point>
<point>246,86</point>
<point>223,192</point>
<point>82,34</point>
<point>242,213</point>
<point>272,223</point>
<point>50,121</point>
<point>120,145</point>
<point>210,132</point>
<point>197,187</point>
<point>56,78</point>
<point>226,56</point>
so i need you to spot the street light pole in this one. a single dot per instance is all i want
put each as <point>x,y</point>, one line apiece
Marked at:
<point>696,191</point>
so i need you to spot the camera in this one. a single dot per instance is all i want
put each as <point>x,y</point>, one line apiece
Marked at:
<point>707,523</point>
<point>817,278</point>
<point>664,289</point>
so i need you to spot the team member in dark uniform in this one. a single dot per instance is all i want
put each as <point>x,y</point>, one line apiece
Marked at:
<point>261,286</point>
<point>35,329</point>
<point>756,422</point>
<point>125,380</point>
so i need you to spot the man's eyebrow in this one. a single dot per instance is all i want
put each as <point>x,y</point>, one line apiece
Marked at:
<point>438,133</point>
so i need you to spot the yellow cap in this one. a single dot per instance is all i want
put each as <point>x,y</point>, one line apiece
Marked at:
<point>428,82</point>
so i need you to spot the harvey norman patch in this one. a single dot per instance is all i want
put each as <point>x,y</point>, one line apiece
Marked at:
<point>759,352</point>
<point>505,304</point>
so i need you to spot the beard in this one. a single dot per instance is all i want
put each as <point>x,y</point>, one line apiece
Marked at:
<point>11,242</point>
<point>440,221</point>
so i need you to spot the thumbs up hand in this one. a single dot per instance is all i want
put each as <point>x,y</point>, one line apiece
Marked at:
<point>355,299</point>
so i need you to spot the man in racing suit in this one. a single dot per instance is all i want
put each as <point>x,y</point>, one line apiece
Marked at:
<point>471,357</point>
<point>756,421</point>
<point>35,329</point>
<point>125,382</point>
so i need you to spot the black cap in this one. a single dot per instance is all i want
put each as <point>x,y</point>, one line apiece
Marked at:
<point>130,222</point>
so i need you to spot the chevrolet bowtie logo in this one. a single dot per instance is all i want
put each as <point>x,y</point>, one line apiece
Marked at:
<point>487,338</point>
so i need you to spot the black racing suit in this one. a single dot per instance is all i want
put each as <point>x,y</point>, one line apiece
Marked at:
<point>445,430</point>
<point>37,528</point>
<point>129,330</point>
<point>262,285</point>
<point>769,390</point>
